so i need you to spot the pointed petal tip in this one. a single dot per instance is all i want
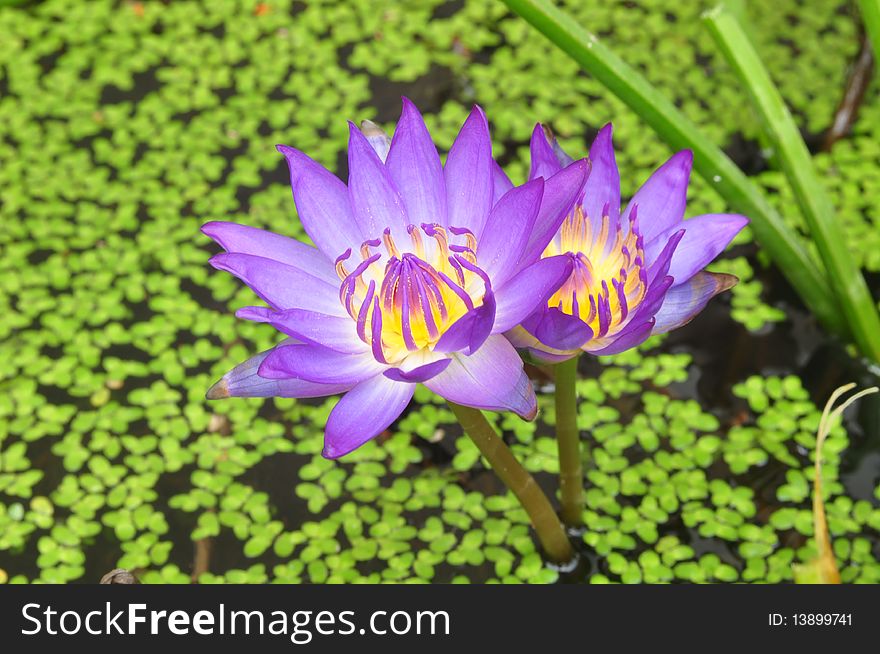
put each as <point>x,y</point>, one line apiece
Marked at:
<point>724,281</point>
<point>686,156</point>
<point>218,391</point>
<point>542,131</point>
<point>527,406</point>
<point>370,143</point>
<point>602,147</point>
<point>288,152</point>
<point>477,113</point>
<point>220,261</point>
<point>535,185</point>
<point>217,260</point>
<point>295,159</point>
<point>369,128</point>
<point>210,227</point>
<point>675,239</point>
<point>330,453</point>
<point>256,314</point>
<point>353,131</point>
<point>407,105</point>
<point>683,161</point>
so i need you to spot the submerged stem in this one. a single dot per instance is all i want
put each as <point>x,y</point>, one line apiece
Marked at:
<point>571,475</point>
<point>518,480</point>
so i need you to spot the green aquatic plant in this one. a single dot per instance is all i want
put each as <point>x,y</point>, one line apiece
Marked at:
<point>871,16</point>
<point>823,569</point>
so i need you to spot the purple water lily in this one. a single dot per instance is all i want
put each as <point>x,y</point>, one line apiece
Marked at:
<point>418,271</point>
<point>633,274</point>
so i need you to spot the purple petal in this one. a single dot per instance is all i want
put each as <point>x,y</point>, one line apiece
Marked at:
<point>501,183</point>
<point>280,285</point>
<point>560,194</point>
<point>243,381</point>
<point>643,314</point>
<point>603,185</point>
<point>544,161</point>
<point>375,201</point>
<point>705,237</point>
<point>561,155</point>
<point>415,168</point>
<point>558,330</point>
<point>652,301</point>
<point>377,138</point>
<point>334,332</point>
<point>528,290</point>
<point>646,309</point>
<point>659,267</point>
<point>319,364</point>
<point>419,374</point>
<point>627,339</point>
<point>470,331</point>
<point>507,231</point>
<point>492,378</point>
<point>242,239</point>
<point>363,413</point>
<point>662,199</point>
<point>322,204</point>
<point>468,173</point>
<point>685,301</point>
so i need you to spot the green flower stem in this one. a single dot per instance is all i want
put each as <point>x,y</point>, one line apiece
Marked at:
<point>544,519</point>
<point>871,18</point>
<point>781,242</point>
<point>815,204</point>
<point>571,473</point>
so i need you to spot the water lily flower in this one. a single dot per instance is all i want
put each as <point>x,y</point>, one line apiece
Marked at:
<point>418,270</point>
<point>635,273</point>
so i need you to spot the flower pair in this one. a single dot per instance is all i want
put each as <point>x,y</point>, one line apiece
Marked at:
<point>430,273</point>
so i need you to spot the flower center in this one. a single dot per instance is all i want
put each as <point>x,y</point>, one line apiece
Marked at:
<point>609,278</point>
<point>404,300</point>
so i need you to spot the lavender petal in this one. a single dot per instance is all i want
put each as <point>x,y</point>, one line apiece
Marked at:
<point>492,379</point>
<point>319,364</point>
<point>363,413</point>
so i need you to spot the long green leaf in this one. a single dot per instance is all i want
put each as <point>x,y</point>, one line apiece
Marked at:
<point>780,241</point>
<point>871,18</point>
<point>815,204</point>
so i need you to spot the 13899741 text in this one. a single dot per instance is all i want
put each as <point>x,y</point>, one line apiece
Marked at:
<point>810,620</point>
